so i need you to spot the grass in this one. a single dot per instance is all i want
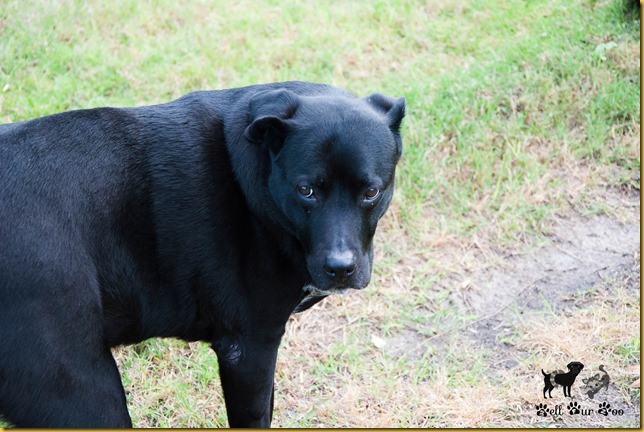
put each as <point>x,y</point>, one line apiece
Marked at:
<point>519,112</point>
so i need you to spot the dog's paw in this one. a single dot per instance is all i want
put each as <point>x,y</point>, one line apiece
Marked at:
<point>603,408</point>
<point>541,410</point>
<point>573,408</point>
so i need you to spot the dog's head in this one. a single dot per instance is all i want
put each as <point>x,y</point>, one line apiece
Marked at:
<point>575,367</point>
<point>331,177</point>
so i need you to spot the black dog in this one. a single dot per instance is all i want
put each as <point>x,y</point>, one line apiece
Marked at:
<point>213,218</point>
<point>564,379</point>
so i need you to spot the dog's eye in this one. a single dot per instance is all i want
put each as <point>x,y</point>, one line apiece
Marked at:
<point>372,194</point>
<point>305,190</point>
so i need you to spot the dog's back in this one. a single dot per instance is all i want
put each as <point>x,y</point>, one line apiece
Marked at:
<point>80,262</point>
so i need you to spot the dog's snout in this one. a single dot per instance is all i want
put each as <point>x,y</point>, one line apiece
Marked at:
<point>340,264</point>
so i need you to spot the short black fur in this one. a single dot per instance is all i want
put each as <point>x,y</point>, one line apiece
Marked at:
<point>181,220</point>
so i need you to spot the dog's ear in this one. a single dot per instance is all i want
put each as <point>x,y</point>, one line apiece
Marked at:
<point>394,110</point>
<point>270,115</point>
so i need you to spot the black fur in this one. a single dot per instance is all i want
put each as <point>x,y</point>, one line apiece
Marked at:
<point>181,220</point>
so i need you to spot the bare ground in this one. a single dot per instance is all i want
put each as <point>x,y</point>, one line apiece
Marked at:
<point>585,260</point>
<point>579,253</point>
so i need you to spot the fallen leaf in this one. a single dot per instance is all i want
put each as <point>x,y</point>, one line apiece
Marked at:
<point>636,384</point>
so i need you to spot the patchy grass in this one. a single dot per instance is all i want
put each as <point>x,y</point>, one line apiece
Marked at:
<point>519,112</point>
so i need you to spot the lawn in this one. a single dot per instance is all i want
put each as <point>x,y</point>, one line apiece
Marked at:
<point>523,116</point>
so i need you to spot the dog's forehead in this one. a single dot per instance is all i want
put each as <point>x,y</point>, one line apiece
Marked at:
<point>350,138</point>
<point>344,154</point>
<point>353,119</point>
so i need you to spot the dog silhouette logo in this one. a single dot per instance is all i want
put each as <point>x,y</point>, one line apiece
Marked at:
<point>596,382</point>
<point>559,377</point>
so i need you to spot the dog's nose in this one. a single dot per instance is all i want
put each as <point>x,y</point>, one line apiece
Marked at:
<point>340,264</point>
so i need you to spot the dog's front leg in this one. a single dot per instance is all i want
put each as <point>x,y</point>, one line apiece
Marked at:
<point>247,369</point>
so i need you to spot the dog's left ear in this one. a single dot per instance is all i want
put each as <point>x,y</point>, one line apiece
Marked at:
<point>394,110</point>
<point>271,112</point>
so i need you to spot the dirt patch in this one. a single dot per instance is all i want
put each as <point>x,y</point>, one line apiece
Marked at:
<point>505,295</point>
<point>581,251</point>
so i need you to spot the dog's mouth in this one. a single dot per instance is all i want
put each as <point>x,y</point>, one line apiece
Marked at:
<point>318,292</point>
<point>324,286</point>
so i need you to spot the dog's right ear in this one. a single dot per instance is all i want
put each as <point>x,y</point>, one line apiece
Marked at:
<point>271,115</point>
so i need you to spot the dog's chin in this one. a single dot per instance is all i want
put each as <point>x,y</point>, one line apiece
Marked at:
<point>325,286</point>
<point>318,292</point>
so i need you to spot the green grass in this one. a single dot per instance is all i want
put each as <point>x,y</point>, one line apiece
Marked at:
<point>502,95</point>
<point>518,111</point>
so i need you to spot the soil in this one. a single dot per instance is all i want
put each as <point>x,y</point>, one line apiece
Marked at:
<point>580,253</point>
